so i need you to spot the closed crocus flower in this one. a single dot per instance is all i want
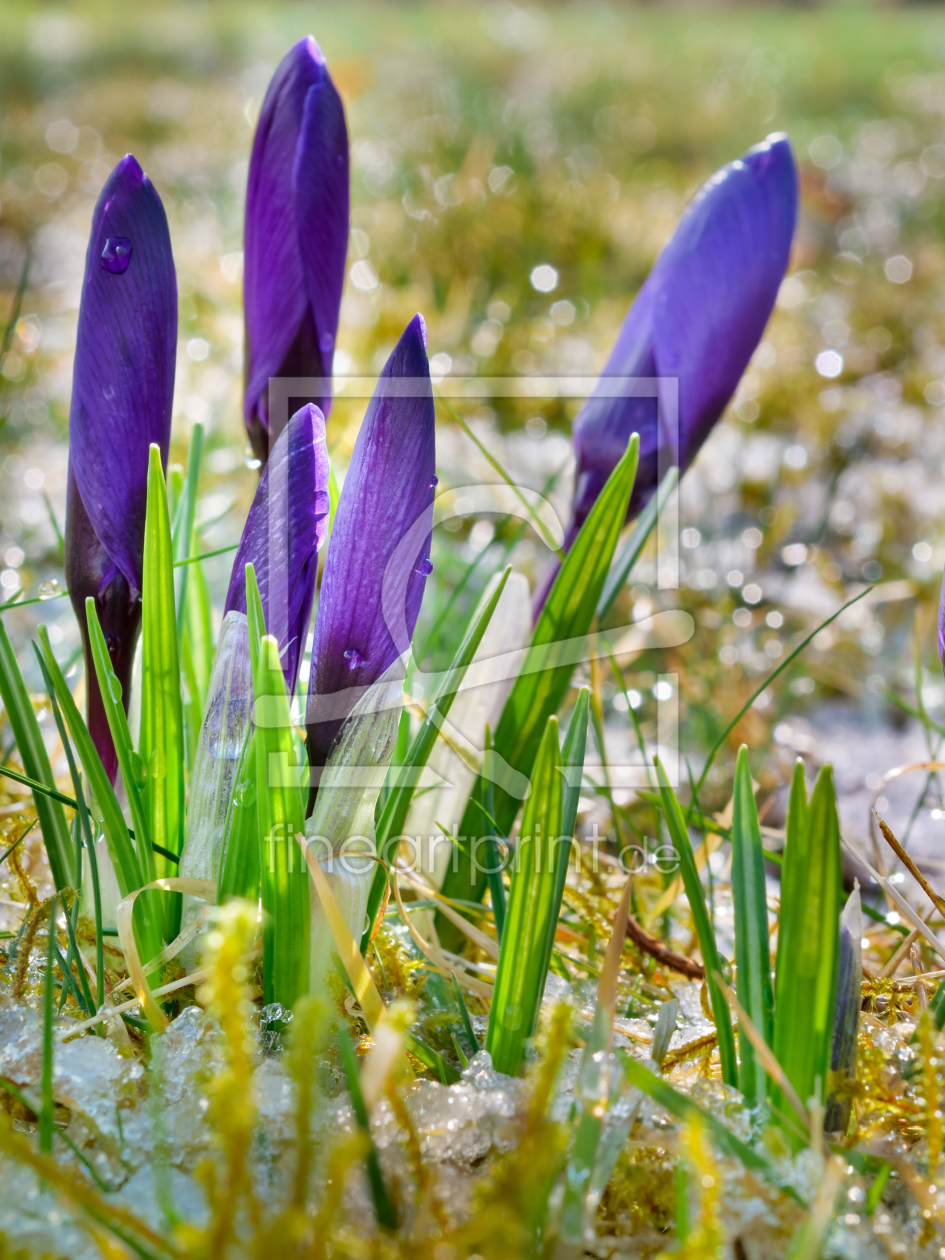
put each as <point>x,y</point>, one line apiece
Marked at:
<point>286,526</point>
<point>378,556</point>
<point>122,389</point>
<point>296,235</point>
<point>697,321</point>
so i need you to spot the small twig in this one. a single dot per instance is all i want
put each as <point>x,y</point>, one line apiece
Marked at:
<point>910,866</point>
<point>662,953</point>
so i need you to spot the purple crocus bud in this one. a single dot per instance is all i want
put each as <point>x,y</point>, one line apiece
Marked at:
<point>296,235</point>
<point>286,526</point>
<point>122,387</point>
<point>696,321</point>
<point>378,557</point>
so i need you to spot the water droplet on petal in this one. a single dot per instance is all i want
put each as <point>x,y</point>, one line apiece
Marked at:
<point>249,457</point>
<point>49,590</point>
<point>353,658</point>
<point>339,159</point>
<point>326,342</point>
<point>116,254</point>
<point>434,481</point>
<point>425,567</point>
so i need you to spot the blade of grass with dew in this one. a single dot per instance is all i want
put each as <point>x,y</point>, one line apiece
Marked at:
<point>630,554</point>
<point>280,816</point>
<point>808,936</point>
<point>161,743</point>
<point>679,836</point>
<point>769,680</point>
<point>752,957</point>
<point>394,814</point>
<point>539,689</point>
<point>684,1109</point>
<point>530,925</point>
<point>32,749</point>
<point>383,1207</point>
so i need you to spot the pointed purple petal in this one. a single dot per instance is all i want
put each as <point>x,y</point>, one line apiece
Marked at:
<point>375,571</point>
<point>123,380</point>
<point>296,232</point>
<point>697,319</point>
<point>286,526</point>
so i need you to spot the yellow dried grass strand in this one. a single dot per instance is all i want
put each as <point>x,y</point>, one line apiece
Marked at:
<point>362,981</point>
<point>203,888</point>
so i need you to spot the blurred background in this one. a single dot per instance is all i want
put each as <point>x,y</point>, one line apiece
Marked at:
<point>516,170</point>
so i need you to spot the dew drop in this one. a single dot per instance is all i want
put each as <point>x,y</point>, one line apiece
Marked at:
<point>245,794</point>
<point>434,481</point>
<point>139,771</point>
<point>49,590</point>
<point>353,658</point>
<point>425,568</point>
<point>116,254</point>
<point>326,342</point>
<point>249,457</point>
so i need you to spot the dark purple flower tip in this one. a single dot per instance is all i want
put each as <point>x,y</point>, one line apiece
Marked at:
<point>378,557</point>
<point>296,237</point>
<point>286,526</point>
<point>694,324</point>
<point>122,389</point>
<point>123,378</point>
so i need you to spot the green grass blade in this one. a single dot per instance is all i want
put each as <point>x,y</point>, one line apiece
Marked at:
<point>431,1060</point>
<point>683,1108</point>
<point>809,940</point>
<point>196,654</point>
<point>494,866</point>
<point>162,720</point>
<point>183,531</point>
<point>464,1015</point>
<point>280,815</point>
<point>678,834</point>
<point>129,763</point>
<point>630,554</point>
<point>121,850</point>
<point>752,957</point>
<point>386,1216</point>
<point>531,921</point>
<point>49,992</point>
<point>540,688</point>
<point>795,828</point>
<point>239,876</point>
<point>572,761</point>
<point>29,741</point>
<point>390,825</point>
